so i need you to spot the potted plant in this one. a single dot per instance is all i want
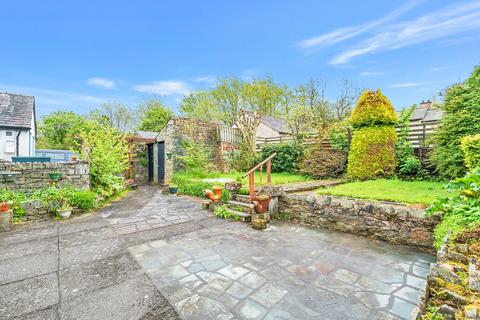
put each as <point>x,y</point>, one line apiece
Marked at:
<point>173,189</point>
<point>261,202</point>
<point>55,176</point>
<point>65,211</point>
<point>4,206</point>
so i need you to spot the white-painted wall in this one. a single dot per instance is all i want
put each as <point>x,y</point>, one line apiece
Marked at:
<point>8,145</point>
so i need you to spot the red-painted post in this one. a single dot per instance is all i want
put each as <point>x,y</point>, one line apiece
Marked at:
<point>269,170</point>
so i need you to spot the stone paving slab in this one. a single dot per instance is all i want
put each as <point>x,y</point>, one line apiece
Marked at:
<point>85,278</point>
<point>133,299</point>
<point>15,269</point>
<point>84,237</point>
<point>89,252</point>
<point>16,250</point>
<point>28,295</point>
<point>285,272</point>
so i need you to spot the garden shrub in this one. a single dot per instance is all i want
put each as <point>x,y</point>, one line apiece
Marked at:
<point>319,162</point>
<point>461,211</point>
<point>197,157</point>
<point>461,117</point>
<point>288,156</point>
<point>107,151</point>
<point>409,166</point>
<point>82,199</point>
<point>372,150</point>
<point>471,148</point>
<point>338,136</point>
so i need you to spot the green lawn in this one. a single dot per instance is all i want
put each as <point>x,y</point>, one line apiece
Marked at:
<point>277,177</point>
<point>411,192</point>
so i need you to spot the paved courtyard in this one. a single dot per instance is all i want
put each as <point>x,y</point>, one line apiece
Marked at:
<point>151,256</point>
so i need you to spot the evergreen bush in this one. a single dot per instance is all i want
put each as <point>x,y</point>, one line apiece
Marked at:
<point>288,156</point>
<point>461,118</point>
<point>372,151</point>
<point>319,163</point>
<point>471,148</point>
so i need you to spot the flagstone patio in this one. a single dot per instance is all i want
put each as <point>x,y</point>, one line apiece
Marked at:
<point>151,256</point>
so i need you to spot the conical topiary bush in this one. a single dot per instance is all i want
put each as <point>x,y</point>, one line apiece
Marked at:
<point>372,151</point>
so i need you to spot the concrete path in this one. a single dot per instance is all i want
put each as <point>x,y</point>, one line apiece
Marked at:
<point>149,252</point>
<point>311,185</point>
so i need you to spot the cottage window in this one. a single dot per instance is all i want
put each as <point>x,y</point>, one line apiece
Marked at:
<point>9,133</point>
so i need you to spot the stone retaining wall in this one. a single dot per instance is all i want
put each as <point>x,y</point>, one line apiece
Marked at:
<point>32,176</point>
<point>394,223</point>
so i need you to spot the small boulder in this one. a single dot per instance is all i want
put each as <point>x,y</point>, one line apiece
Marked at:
<point>445,272</point>
<point>454,297</point>
<point>447,312</point>
<point>259,224</point>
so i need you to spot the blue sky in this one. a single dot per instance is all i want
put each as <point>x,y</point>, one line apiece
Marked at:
<point>76,55</point>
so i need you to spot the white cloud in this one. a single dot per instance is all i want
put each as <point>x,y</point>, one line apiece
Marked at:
<point>163,88</point>
<point>209,80</point>
<point>102,83</point>
<point>436,68</point>
<point>371,73</point>
<point>345,33</point>
<point>406,85</point>
<point>439,24</point>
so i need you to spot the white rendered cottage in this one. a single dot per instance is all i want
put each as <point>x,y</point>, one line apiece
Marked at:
<point>17,126</point>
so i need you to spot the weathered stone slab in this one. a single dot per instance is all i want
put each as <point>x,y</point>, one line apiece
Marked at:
<point>29,295</point>
<point>28,266</point>
<point>90,252</point>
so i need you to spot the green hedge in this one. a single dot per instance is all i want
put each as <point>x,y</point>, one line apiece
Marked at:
<point>373,108</point>
<point>461,118</point>
<point>321,163</point>
<point>372,153</point>
<point>288,156</point>
<point>471,148</point>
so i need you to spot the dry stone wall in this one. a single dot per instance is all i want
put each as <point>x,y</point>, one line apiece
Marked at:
<point>32,176</point>
<point>394,223</point>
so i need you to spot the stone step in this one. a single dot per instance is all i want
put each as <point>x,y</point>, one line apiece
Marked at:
<point>240,206</point>
<point>245,217</point>
<point>242,198</point>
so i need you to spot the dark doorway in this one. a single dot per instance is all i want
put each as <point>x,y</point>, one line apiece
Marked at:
<point>161,162</point>
<point>150,162</point>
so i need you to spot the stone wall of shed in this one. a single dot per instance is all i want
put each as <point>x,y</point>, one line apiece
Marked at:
<point>395,223</point>
<point>32,176</point>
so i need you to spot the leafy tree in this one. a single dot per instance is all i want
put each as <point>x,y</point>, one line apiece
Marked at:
<point>200,105</point>
<point>58,130</point>
<point>461,118</point>
<point>154,115</point>
<point>107,151</point>
<point>372,152</point>
<point>117,115</point>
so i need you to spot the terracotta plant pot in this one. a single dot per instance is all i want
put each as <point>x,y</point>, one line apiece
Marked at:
<point>4,207</point>
<point>261,204</point>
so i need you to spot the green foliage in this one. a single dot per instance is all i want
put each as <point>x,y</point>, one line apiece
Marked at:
<point>222,212</point>
<point>107,151</point>
<point>471,148</point>
<point>58,130</point>
<point>461,210</point>
<point>319,162</point>
<point>338,136</point>
<point>461,118</point>
<point>414,192</point>
<point>154,116</point>
<point>373,109</point>
<point>197,157</point>
<point>372,153</point>
<point>409,165</point>
<point>53,196</point>
<point>115,115</point>
<point>288,156</point>
<point>193,187</point>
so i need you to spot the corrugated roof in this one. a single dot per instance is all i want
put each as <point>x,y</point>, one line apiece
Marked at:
<point>16,110</point>
<point>276,123</point>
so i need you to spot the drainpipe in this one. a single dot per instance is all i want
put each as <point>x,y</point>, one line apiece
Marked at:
<point>17,142</point>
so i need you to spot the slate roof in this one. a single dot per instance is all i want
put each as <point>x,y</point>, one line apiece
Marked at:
<point>146,134</point>
<point>276,123</point>
<point>16,111</point>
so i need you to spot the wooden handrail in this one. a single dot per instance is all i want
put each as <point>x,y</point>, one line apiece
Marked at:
<point>259,165</point>
<point>251,175</point>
